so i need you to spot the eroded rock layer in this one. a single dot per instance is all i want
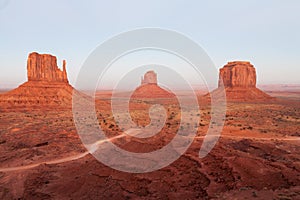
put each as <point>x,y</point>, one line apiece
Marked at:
<point>43,67</point>
<point>238,74</point>
<point>149,78</point>
<point>47,86</point>
<point>238,80</point>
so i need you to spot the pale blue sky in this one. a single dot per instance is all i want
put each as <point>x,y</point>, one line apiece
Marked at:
<point>267,33</point>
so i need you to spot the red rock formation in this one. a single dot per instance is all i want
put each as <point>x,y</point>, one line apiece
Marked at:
<point>150,89</point>
<point>238,74</point>
<point>47,86</point>
<point>148,94</point>
<point>239,80</point>
<point>43,67</point>
<point>149,78</point>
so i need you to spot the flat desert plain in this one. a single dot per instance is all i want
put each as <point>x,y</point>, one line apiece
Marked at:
<point>257,156</point>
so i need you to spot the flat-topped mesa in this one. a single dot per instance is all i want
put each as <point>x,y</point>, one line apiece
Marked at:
<point>43,67</point>
<point>238,74</point>
<point>149,78</point>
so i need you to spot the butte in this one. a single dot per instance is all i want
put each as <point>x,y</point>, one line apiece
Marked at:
<point>47,86</point>
<point>148,94</point>
<point>239,81</point>
<point>149,89</point>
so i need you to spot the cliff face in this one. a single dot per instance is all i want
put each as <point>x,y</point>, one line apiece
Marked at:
<point>47,86</point>
<point>238,74</point>
<point>43,67</point>
<point>149,78</point>
<point>239,79</point>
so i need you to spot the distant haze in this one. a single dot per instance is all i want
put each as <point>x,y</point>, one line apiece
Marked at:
<point>266,33</point>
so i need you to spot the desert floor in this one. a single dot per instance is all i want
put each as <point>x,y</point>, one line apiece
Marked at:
<point>257,156</point>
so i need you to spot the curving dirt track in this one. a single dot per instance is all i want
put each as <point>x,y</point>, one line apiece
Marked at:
<point>78,156</point>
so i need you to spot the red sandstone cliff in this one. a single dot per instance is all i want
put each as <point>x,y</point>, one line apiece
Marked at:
<point>149,78</point>
<point>238,74</point>
<point>43,67</point>
<point>239,80</point>
<point>47,86</point>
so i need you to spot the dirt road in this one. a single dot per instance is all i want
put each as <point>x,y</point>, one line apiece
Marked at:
<point>94,147</point>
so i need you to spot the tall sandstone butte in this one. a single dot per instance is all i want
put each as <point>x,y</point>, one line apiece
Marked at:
<point>149,78</point>
<point>238,74</point>
<point>47,86</point>
<point>239,81</point>
<point>43,67</point>
<point>149,94</point>
<point>150,89</point>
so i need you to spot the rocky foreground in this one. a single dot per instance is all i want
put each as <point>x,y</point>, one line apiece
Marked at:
<point>256,157</point>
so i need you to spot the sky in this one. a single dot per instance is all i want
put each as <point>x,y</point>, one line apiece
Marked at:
<point>266,33</point>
